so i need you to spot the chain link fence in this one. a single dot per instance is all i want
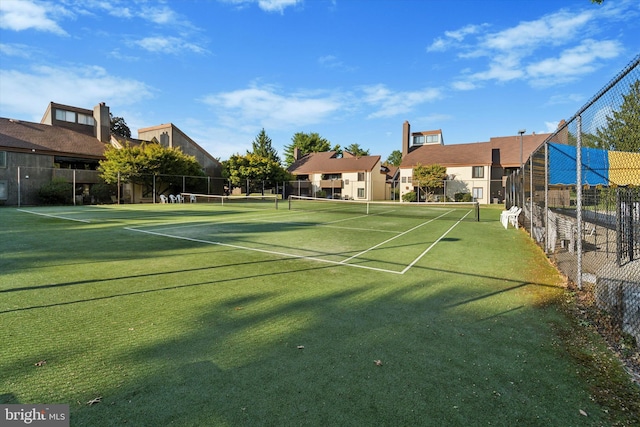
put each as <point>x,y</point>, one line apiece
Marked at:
<point>587,218</point>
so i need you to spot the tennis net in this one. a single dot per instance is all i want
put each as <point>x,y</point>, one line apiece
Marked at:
<point>268,201</point>
<point>469,211</point>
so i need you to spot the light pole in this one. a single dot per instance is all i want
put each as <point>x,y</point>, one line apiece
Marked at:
<point>521,132</point>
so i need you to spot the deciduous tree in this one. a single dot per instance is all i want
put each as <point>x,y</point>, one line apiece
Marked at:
<point>429,177</point>
<point>622,131</point>
<point>238,169</point>
<point>139,164</point>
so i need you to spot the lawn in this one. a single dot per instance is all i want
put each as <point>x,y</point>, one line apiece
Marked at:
<point>197,315</point>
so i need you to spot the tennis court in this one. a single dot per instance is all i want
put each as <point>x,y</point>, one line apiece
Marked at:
<point>238,313</point>
<point>385,237</point>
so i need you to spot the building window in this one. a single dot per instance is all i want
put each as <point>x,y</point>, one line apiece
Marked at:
<point>4,194</point>
<point>433,138</point>
<point>478,172</point>
<point>66,116</point>
<point>83,119</point>
<point>418,140</point>
<point>3,159</point>
<point>477,193</point>
<point>361,193</point>
<point>404,179</point>
<point>360,176</point>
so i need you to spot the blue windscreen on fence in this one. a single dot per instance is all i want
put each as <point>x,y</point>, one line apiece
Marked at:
<point>562,165</point>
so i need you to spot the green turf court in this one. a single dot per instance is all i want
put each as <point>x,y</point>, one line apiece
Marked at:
<point>203,314</point>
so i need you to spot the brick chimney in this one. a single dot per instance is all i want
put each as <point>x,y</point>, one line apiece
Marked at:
<point>296,153</point>
<point>406,137</point>
<point>103,122</point>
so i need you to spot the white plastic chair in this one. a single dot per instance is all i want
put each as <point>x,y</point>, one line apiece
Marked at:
<point>163,198</point>
<point>505,214</point>
<point>510,217</point>
<point>192,198</point>
<point>172,198</point>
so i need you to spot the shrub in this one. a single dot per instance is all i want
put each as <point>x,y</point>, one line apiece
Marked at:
<point>463,197</point>
<point>409,197</point>
<point>103,192</point>
<point>57,192</point>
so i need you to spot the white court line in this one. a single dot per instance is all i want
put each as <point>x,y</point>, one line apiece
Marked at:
<point>343,262</point>
<point>432,245</point>
<point>53,216</point>
<point>262,250</point>
<point>392,238</point>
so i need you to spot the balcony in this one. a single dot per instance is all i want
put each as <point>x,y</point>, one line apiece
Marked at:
<point>331,183</point>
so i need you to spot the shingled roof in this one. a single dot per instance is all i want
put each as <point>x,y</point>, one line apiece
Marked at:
<point>478,153</point>
<point>327,162</point>
<point>21,136</point>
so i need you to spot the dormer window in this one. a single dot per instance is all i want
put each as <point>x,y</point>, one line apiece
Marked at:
<point>66,116</point>
<point>84,119</point>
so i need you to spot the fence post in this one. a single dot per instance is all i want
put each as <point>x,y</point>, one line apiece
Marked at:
<point>531,195</point>
<point>73,189</point>
<point>546,197</point>
<point>579,198</point>
<point>19,189</point>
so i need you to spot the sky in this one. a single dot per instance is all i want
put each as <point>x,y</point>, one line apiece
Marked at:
<point>351,70</point>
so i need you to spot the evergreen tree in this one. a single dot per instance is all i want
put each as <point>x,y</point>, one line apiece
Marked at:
<point>356,150</point>
<point>261,146</point>
<point>119,127</point>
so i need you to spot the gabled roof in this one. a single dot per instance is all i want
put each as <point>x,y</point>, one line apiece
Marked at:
<point>510,147</point>
<point>17,135</point>
<point>477,153</point>
<point>327,162</point>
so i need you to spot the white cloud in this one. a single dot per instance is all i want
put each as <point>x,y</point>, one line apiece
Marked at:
<point>269,108</point>
<point>554,49</point>
<point>573,62</point>
<point>333,62</point>
<point>267,5</point>
<point>553,29</point>
<point>550,127</point>
<point>28,93</point>
<point>19,15</point>
<point>387,103</point>
<point>168,44</point>
<point>463,85</point>
<point>453,38</point>
<point>17,50</point>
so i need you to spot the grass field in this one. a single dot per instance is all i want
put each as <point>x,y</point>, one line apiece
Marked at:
<point>209,315</point>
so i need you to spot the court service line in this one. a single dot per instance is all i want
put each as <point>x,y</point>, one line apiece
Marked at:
<point>284,254</point>
<point>433,244</point>
<point>53,216</point>
<point>394,237</point>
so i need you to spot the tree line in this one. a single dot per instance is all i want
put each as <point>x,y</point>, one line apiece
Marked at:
<point>621,132</point>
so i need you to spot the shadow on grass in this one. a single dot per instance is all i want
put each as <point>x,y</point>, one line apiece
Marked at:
<point>438,365</point>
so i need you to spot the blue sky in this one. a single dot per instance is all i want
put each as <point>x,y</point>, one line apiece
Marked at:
<point>351,70</point>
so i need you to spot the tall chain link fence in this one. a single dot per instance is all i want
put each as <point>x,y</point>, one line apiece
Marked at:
<point>587,218</point>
